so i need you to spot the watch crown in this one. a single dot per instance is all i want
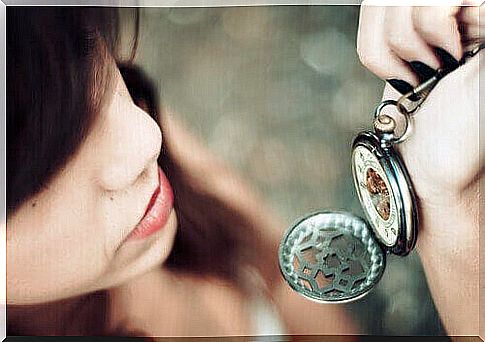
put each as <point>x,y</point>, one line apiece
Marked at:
<point>384,124</point>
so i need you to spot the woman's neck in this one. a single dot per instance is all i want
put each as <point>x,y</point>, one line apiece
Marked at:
<point>84,315</point>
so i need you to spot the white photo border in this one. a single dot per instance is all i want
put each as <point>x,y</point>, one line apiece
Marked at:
<point>202,3</point>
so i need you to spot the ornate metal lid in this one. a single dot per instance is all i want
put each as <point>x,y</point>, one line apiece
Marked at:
<point>331,257</point>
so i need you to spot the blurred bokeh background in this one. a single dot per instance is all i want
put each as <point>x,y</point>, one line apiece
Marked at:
<point>278,92</point>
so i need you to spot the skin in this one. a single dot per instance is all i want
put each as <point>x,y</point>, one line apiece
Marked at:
<point>448,191</point>
<point>68,239</point>
<point>442,157</point>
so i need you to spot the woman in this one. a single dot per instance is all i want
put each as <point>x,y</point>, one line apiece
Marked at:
<point>99,196</point>
<point>405,46</point>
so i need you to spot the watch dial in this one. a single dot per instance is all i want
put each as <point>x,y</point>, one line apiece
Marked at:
<point>375,195</point>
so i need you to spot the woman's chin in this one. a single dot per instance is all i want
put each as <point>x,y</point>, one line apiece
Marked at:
<point>133,259</point>
<point>136,257</point>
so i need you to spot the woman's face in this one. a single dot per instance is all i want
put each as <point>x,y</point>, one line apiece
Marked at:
<point>106,217</point>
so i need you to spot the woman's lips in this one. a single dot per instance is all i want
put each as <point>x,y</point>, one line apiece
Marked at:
<point>157,212</point>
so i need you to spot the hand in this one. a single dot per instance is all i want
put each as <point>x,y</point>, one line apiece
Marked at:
<point>442,156</point>
<point>443,160</point>
<point>406,45</point>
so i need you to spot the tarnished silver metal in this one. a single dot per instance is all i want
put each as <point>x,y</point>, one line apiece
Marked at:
<point>331,257</point>
<point>385,193</point>
<point>388,135</point>
<point>384,124</point>
<point>421,92</point>
<point>476,47</point>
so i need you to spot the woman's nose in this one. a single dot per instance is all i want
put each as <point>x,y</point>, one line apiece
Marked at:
<point>129,144</point>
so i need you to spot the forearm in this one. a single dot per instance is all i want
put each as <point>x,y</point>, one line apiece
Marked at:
<point>442,157</point>
<point>451,265</point>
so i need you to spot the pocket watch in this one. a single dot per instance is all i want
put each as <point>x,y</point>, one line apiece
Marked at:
<point>336,256</point>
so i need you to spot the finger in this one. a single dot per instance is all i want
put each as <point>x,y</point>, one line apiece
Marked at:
<point>407,44</point>
<point>389,93</point>
<point>471,20</point>
<point>376,55</point>
<point>438,27</point>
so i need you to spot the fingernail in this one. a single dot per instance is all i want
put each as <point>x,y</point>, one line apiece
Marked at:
<point>401,86</point>
<point>449,62</point>
<point>423,71</point>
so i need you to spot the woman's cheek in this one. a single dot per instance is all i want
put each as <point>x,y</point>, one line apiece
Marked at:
<point>55,247</point>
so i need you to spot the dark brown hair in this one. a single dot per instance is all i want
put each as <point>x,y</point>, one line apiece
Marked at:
<point>54,56</point>
<point>56,77</point>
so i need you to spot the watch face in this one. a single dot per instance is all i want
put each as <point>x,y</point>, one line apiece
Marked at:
<point>331,257</point>
<point>385,193</point>
<point>376,195</point>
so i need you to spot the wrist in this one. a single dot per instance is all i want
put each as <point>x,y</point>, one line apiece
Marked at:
<point>449,250</point>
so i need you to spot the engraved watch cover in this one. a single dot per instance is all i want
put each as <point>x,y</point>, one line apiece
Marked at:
<point>331,257</point>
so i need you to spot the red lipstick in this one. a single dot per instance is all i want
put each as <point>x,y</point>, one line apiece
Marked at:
<point>157,211</point>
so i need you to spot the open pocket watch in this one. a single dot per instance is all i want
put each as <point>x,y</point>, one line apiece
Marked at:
<point>337,257</point>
